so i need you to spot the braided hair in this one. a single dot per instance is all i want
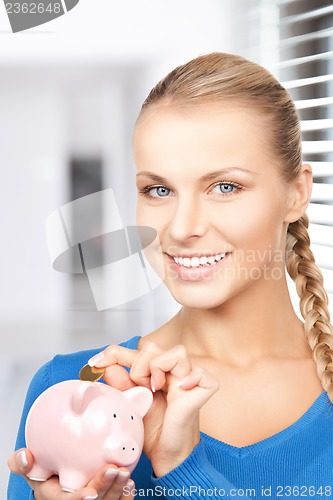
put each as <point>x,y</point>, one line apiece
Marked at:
<point>303,270</point>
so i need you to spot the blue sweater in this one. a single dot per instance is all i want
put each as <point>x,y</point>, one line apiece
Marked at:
<point>296,462</point>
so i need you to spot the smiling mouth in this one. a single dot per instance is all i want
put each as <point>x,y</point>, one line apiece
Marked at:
<point>199,261</point>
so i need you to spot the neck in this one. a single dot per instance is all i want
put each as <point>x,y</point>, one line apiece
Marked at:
<point>259,322</point>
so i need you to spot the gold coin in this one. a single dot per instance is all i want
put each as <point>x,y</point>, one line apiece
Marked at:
<point>91,373</point>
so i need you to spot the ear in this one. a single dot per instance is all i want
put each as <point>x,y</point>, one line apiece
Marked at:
<point>141,398</point>
<point>85,393</point>
<point>299,194</point>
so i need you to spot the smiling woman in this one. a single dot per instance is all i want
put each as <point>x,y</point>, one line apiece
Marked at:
<point>236,390</point>
<point>199,212</point>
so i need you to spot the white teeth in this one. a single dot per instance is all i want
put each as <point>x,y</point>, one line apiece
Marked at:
<point>196,261</point>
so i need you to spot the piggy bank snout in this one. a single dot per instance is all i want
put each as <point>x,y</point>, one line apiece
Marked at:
<point>122,450</point>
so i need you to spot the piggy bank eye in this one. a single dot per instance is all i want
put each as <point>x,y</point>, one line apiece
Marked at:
<point>114,415</point>
<point>132,418</point>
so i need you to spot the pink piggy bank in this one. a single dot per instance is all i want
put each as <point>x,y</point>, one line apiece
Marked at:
<point>76,427</point>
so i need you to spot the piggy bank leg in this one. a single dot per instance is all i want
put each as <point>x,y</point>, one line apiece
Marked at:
<point>38,473</point>
<point>72,480</point>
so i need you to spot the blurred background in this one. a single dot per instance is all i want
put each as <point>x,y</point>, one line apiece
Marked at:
<point>70,92</point>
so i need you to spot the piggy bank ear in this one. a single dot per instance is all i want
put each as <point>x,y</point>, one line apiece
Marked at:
<point>141,398</point>
<point>85,393</point>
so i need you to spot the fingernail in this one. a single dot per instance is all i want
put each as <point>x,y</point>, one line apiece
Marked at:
<point>123,475</point>
<point>130,483</point>
<point>90,497</point>
<point>22,461</point>
<point>152,384</point>
<point>95,360</point>
<point>110,473</point>
<point>180,383</point>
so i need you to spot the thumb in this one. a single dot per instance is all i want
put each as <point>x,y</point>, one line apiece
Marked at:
<point>21,461</point>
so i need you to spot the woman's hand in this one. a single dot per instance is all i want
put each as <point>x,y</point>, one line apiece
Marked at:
<point>107,485</point>
<point>172,424</point>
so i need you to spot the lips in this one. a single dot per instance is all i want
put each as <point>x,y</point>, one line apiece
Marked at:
<point>197,268</point>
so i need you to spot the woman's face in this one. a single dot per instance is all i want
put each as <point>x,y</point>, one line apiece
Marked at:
<point>208,184</point>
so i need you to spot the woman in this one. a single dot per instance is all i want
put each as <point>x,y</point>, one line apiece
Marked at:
<point>243,389</point>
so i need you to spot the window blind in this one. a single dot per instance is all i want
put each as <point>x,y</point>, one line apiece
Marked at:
<point>305,68</point>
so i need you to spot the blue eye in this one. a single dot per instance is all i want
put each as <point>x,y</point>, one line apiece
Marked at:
<point>159,191</point>
<point>226,188</point>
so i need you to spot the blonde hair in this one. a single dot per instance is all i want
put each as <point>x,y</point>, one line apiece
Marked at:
<point>231,78</point>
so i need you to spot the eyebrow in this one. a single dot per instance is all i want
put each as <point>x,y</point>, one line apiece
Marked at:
<point>206,178</point>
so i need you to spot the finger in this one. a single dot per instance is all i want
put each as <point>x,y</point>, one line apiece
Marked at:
<point>114,355</point>
<point>51,489</point>
<point>201,384</point>
<point>199,378</point>
<point>118,377</point>
<point>102,481</point>
<point>21,461</point>
<point>175,361</point>
<point>110,476</point>
<point>115,488</point>
<point>128,490</point>
<point>140,371</point>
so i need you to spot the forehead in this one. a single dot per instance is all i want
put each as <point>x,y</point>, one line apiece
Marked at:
<point>207,135</point>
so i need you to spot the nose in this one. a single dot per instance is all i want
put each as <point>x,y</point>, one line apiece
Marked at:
<point>187,219</point>
<point>122,451</point>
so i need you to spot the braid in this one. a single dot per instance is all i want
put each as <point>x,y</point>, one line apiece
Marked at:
<point>308,278</point>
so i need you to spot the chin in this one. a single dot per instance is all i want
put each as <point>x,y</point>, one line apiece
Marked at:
<point>208,294</point>
<point>196,298</point>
